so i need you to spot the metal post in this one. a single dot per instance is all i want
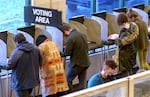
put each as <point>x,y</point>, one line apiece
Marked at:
<point>147,2</point>
<point>121,3</point>
<point>27,3</point>
<point>93,6</point>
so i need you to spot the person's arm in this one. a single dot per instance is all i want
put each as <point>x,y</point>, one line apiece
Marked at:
<point>16,54</point>
<point>40,58</point>
<point>42,50</point>
<point>69,46</point>
<point>129,39</point>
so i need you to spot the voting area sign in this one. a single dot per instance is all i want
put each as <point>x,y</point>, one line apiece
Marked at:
<point>45,16</point>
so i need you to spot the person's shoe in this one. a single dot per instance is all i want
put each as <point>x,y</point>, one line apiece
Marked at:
<point>141,70</point>
<point>147,66</point>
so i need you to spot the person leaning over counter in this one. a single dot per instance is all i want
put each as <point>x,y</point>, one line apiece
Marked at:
<point>24,63</point>
<point>77,49</point>
<point>109,68</point>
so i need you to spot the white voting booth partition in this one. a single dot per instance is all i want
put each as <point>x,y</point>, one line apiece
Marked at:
<point>3,47</point>
<point>57,36</point>
<point>104,27</point>
<point>2,52</point>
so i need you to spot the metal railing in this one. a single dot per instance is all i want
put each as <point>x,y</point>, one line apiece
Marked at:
<point>128,84</point>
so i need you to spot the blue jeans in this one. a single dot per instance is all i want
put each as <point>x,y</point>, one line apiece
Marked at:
<point>23,93</point>
<point>72,72</point>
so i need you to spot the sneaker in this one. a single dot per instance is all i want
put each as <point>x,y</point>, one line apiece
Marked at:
<point>141,70</point>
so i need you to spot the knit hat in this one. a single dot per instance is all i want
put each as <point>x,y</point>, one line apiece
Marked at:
<point>40,39</point>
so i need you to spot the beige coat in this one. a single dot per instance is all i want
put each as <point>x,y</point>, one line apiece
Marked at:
<point>52,74</point>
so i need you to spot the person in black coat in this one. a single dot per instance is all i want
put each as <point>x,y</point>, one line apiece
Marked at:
<point>77,48</point>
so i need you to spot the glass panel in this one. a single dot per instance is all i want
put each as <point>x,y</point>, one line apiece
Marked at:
<point>115,92</point>
<point>11,14</point>
<point>84,7</point>
<point>77,7</point>
<point>142,88</point>
<point>130,3</point>
<point>107,5</point>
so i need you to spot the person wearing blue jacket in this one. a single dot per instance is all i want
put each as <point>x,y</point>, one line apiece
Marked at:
<point>24,63</point>
<point>109,68</point>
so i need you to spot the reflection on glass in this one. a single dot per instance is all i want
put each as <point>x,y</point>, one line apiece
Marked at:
<point>84,7</point>
<point>80,10</point>
<point>142,88</point>
<point>116,92</point>
<point>130,3</point>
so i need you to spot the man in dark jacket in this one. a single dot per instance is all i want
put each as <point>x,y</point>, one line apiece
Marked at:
<point>77,49</point>
<point>24,62</point>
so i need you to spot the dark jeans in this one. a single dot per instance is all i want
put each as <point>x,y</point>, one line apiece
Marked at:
<point>72,72</point>
<point>23,93</point>
<point>57,94</point>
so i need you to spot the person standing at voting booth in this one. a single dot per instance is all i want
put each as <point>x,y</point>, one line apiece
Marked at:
<point>52,75</point>
<point>24,63</point>
<point>127,37</point>
<point>77,48</point>
<point>142,40</point>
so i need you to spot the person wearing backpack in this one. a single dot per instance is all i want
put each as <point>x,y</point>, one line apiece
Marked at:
<point>127,50</point>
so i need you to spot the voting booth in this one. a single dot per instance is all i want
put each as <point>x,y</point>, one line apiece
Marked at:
<point>101,19</point>
<point>90,27</point>
<point>3,47</point>
<point>6,46</point>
